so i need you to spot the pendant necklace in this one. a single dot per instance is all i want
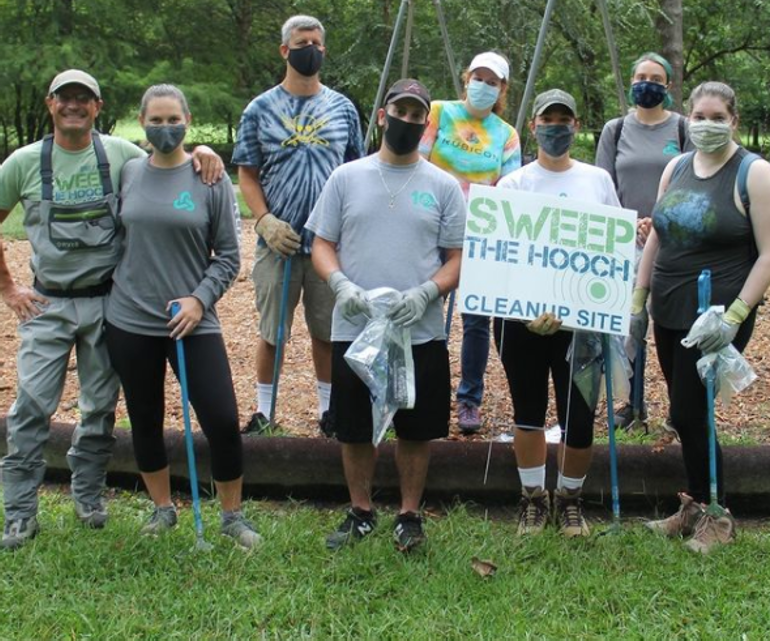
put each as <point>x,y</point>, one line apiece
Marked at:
<point>392,201</point>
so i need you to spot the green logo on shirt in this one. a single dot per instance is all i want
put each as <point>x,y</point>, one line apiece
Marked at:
<point>184,201</point>
<point>671,148</point>
<point>424,199</point>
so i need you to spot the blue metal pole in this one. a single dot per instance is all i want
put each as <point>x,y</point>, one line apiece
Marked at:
<point>611,427</point>
<point>281,338</point>
<point>704,301</point>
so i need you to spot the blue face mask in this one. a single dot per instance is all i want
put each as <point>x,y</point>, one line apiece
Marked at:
<point>482,96</point>
<point>555,140</point>
<point>647,94</point>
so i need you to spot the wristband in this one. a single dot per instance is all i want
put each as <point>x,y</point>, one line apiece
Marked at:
<point>737,312</point>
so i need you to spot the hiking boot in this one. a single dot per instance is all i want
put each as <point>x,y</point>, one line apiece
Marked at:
<point>534,510</point>
<point>357,524</point>
<point>241,531</point>
<point>683,522</point>
<point>568,513</point>
<point>624,417</point>
<point>468,418</point>
<point>162,519</point>
<point>93,515</point>
<point>711,532</point>
<point>325,425</point>
<point>258,424</point>
<point>17,533</point>
<point>408,533</point>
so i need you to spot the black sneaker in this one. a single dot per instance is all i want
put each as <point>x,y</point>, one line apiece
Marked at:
<point>258,425</point>
<point>357,524</point>
<point>408,533</point>
<point>325,425</point>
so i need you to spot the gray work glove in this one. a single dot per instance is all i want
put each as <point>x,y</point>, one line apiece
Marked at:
<point>351,299</point>
<point>279,235</point>
<point>731,322</point>
<point>410,309</point>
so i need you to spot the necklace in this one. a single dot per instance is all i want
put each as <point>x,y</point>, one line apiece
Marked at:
<point>392,202</point>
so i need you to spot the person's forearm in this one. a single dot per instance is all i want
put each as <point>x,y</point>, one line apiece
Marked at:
<point>448,276</point>
<point>251,188</point>
<point>757,281</point>
<point>324,257</point>
<point>644,275</point>
<point>6,279</point>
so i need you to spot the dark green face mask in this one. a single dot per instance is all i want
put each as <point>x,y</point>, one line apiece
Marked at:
<point>555,140</point>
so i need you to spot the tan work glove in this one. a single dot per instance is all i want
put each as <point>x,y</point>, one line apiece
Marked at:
<point>278,235</point>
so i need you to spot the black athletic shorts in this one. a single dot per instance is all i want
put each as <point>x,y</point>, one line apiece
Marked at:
<point>350,410</point>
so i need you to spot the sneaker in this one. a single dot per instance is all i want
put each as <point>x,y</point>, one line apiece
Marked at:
<point>712,531</point>
<point>17,533</point>
<point>93,515</point>
<point>683,522</point>
<point>325,425</point>
<point>408,533</point>
<point>358,523</point>
<point>258,424</point>
<point>568,513</point>
<point>161,519</point>
<point>468,418</point>
<point>534,510</point>
<point>624,417</point>
<point>241,531</point>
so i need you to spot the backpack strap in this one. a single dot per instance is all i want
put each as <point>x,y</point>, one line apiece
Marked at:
<point>742,180</point>
<point>46,168</point>
<point>616,136</point>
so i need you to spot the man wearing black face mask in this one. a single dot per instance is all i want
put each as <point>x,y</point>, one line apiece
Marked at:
<point>531,351</point>
<point>290,139</point>
<point>383,221</point>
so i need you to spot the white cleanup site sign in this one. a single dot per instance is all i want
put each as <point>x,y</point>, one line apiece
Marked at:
<point>525,254</point>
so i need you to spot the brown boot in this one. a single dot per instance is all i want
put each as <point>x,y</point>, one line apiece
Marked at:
<point>683,522</point>
<point>711,532</point>
<point>534,510</point>
<point>568,513</point>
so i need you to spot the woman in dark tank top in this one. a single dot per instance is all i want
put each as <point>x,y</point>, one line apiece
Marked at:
<point>700,223</point>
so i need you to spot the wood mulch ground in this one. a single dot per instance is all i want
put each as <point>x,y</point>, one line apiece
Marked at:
<point>747,417</point>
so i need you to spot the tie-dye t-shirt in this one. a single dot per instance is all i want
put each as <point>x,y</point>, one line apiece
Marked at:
<point>699,227</point>
<point>472,150</point>
<point>296,142</point>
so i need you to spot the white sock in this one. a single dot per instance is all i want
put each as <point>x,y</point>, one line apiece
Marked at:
<point>532,476</point>
<point>324,394</point>
<point>264,398</point>
<point>568,483</point>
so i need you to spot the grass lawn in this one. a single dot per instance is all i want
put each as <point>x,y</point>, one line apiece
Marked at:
<point>114,584</point>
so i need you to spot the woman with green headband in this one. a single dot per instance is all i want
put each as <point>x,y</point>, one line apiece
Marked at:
<point>635,150</point>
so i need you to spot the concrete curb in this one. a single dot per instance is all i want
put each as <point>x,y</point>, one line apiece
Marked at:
<point>310,468</point>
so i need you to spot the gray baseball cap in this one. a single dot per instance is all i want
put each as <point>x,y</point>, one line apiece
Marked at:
<point>553,97</point>
<point>75,77</point>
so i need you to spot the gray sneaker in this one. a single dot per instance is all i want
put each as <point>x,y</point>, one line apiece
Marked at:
<point>93,515</point>
<point>161,520</point>
<point>241,531</point>
<point>17,533</point>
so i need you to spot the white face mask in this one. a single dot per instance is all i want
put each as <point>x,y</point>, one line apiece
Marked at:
<point>709,136</point>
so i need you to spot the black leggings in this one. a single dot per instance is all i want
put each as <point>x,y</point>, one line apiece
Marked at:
<point>140,362</point>
<point>527,359</point>
<point>687,396</point>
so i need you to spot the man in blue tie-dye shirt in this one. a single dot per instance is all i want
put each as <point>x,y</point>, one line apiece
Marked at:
<point>290,139</point>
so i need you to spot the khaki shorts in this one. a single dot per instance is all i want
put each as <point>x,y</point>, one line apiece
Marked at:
<point>317,298</point>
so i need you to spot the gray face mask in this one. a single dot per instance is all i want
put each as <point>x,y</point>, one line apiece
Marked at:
<point>709,136</point>
<point>165,138</point>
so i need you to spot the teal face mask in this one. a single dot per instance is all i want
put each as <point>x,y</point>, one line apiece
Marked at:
<point>482,96</point>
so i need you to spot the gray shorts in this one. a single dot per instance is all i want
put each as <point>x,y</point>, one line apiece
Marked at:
<point>317,298</point>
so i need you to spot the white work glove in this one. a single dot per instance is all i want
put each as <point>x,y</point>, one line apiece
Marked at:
<point>731,322</point>
<point>410,309</point>
<point>279,235</point>
<point>351,299</point>
<point>640,318</point>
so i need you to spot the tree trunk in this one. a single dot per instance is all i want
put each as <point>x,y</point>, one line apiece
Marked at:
<point>669,24</point>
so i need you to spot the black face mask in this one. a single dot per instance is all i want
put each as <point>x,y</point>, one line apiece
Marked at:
<point>402,137</point>
<point>307,60</point>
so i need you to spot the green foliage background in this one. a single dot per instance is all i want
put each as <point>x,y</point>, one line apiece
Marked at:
<point>223,52</point>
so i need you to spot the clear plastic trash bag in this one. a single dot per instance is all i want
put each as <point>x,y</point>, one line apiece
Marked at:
<point>588,366</point>
<point>381,356</point>
<point>732,372</point>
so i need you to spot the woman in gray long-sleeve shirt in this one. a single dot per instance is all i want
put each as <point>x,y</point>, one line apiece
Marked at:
<point>181,245</point>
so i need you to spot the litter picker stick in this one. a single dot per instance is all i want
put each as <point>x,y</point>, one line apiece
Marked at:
<point>200,542</point>
<point>638,384</point>
<point>281,338</point>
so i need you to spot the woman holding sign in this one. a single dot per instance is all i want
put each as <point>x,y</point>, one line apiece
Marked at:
<point>531,351</point>
<point>469,139</point>
<point>702,221</point>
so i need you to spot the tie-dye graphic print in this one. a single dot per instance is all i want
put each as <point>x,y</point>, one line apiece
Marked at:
<point>472,150</point>
<point>296,142</point>
<point>685,218</point>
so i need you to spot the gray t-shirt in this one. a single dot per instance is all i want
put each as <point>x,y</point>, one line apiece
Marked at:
<point>180,240</point>
<point>643,152</point>
<point>382,247</point>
